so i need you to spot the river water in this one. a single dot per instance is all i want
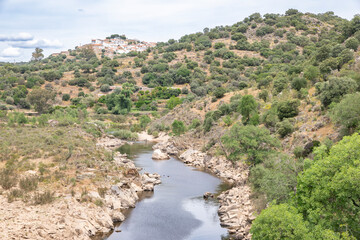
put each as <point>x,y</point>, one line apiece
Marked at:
<point>176,210</point>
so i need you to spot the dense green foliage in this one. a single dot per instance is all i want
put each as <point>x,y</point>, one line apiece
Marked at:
<point>178,127</point>
<point>326,203</point>
<point>280,222</point>
<point>347,112</point>
<point>253,143</point>
<point>248,108</point>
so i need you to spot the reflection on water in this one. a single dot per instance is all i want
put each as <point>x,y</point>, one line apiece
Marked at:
<point>176,210</point>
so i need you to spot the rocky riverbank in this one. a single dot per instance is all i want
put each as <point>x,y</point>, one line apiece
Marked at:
<point>78,215</point>
<point>236,209</point>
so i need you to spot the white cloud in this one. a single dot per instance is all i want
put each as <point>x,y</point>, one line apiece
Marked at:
<point>23,36</point>
<point>10,52</point>
<point>41,43</point>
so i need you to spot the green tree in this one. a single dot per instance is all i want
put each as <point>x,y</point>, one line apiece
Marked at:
<point>284,128</point>
<point>347,112</point>
<point>203,42</point>
<point>178,127</point>
<point>208,123</point>
<point>352,43</point>
<point>119,101</point>
<point>280,222</point>
<point>66,97</point>
<point>328,192</point>
<point>247,107</point>
<point>144,121</point>
<point>288,108</point>
<point>173,102</point>
<point>219,92</point>
<point>280,84</point>
<point>298,83</point>
<point>276,177</point>
<point>37,55</point>
<point>312,73</point>
<point>334,89</point>
<point>40,98</point>
<point>253,143</point>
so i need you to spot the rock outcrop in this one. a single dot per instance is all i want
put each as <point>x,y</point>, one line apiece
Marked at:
<point>159,155</point>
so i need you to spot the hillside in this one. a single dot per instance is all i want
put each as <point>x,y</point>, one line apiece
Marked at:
<point>271,94</point>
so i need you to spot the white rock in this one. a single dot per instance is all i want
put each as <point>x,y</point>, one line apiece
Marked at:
<point>159,155</point>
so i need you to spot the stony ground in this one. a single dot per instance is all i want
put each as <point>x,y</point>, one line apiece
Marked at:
<point>77,215</point>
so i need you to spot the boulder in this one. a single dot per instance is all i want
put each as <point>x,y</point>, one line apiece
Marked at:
<point>117,216</point>
<point>115,190</point>
<point>159,155</point>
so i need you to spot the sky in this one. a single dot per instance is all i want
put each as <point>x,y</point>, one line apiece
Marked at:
<point>55,25</point>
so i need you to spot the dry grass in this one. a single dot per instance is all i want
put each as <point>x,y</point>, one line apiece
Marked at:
<point>62,158</point>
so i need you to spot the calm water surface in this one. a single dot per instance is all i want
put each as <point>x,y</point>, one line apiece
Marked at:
<point>176,209</point>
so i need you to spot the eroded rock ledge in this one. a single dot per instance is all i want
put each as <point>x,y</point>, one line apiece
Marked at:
<point>236,209</point>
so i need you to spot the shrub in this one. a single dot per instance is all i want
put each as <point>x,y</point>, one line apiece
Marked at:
<point>262,31</point>
<point>219,92</point>
<point>280,84</point>
<point>352,43</point>
<point>40,99</point>
<point>28,184</point>
<point>334,89</point>
<point>219,45</point>
<point>178,127</point>
<point>14,194</point>
<point>270,118</point>
<point>284,128</point>
<point>8,179</point>
<point>264,95</point>
<point>247,107</point>
<point>208,123</point>
<point>173,102</point>
<point>298,83</point>
<point>195,123</point>
<point>66,97</point>
<point>43,198</point>
<point>312,73</point>
<point>280,222</point>
<point>9,100</point>
<point>298,151</point>
<point>105,88</point>
<point>288,109</point>
<point>327,191</point>
<point>99,203</point>
<point>225,109</point>
<point>252,142</point>
<point>347,112</point>
<point>276,176</point>
<point>227,120</point>
<point>123,134</point>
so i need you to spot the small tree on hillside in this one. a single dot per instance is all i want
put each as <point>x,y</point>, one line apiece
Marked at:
<point>178,127</point>
<point>40,98</point>
<point>37,55</point>
<point>252,142</point>
<point>347,112</point>
<point>247,107</point>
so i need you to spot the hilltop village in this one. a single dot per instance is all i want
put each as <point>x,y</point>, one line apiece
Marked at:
<point>113,45</point>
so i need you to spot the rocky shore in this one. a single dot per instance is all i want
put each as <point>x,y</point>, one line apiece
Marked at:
<point>78,215</point>
<point>236,209</point>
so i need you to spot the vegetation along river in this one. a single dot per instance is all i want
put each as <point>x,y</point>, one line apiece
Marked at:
<point>176,210</point>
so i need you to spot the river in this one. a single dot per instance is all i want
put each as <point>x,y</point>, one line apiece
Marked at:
<point>176,210</point>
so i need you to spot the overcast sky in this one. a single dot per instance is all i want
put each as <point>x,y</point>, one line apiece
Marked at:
<point>57,25</point>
